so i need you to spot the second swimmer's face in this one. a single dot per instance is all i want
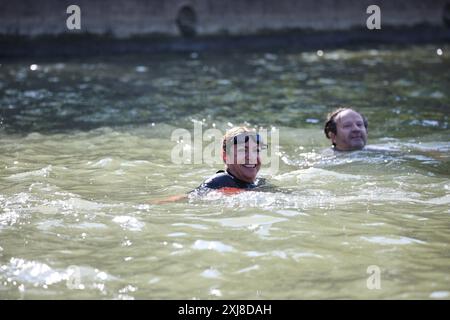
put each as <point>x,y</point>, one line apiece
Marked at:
<point>244,162</point>
<point>351,134</point>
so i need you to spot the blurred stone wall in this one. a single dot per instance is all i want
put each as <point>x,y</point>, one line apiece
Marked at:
<point>129,18</point>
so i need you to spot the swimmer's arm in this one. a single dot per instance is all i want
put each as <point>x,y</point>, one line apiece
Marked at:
<point>170,199</point>
<point>202,189</point>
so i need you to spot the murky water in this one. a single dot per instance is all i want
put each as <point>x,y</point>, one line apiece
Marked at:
<point>85,150</point>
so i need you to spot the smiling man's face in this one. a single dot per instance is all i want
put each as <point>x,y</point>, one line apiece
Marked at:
<point>351,134</point>
<point>244,162</point>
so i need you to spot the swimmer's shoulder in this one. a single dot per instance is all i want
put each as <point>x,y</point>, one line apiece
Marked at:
<point>221,179</point>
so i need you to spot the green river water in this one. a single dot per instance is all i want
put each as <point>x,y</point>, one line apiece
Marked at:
<point>85,150</point>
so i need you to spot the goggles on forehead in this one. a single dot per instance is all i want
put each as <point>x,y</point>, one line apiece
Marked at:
<point>244,138</point>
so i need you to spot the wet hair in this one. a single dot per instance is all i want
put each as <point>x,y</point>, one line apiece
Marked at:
<point>234,134</point>
<point>330,124</point>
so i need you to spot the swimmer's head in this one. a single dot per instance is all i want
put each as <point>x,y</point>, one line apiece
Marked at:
<point>347,129</point>
<point>241,153</point>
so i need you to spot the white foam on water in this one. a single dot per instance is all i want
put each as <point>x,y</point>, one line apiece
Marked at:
<point>439,294</point>
<point>251,268</point>
<point>32,272</point>
<point>129,223</point>
<point>387,241</point>
<point>212,245</point>
<point>211,273</point>
<point>252,221</point>
<point>102,163</point>
<point>44,172</point>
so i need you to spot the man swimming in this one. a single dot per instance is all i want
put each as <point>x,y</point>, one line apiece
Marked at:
<point>347,129</point>
<point>241,148</point>
<point>241,154</point>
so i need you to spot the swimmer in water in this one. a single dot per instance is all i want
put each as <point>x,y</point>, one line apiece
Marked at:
<point>241,154</point>
<point>241,148</point>
<point>347,129</point>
